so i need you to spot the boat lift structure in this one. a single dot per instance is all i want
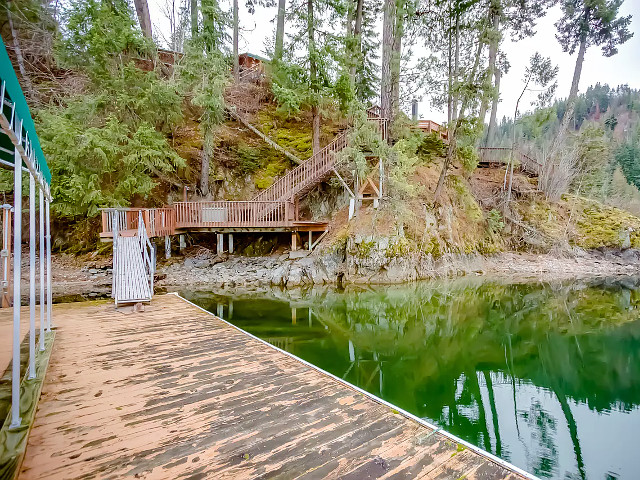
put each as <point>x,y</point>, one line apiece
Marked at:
<point>20,151</point>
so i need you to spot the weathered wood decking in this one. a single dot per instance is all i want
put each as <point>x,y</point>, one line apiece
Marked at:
<point>176,393</point>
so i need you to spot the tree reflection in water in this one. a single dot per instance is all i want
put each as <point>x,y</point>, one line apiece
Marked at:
<point>524,371</point>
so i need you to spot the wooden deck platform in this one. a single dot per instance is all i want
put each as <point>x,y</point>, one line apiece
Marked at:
<point>174,392</point>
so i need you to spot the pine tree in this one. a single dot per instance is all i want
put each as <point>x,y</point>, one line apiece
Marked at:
<point>586,23</point>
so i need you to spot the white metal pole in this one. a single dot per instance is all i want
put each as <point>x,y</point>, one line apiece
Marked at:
<point>49,295</point>
<point>17,234</point>
<point>41,242</point>
<point>32,276</point>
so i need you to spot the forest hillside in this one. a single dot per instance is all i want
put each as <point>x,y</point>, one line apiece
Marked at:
<point>124,123</point>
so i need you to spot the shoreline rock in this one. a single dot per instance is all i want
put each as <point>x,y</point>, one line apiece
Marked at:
<point>331,269</point>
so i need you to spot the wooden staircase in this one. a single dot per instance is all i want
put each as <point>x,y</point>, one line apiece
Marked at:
<point>304,177</point>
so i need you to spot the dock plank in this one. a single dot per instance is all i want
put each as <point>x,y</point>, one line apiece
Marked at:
<point>174,392</point>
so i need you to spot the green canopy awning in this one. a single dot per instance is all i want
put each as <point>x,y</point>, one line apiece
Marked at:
<point>13,92</point>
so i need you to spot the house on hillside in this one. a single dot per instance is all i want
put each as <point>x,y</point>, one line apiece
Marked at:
<point>249,60</point>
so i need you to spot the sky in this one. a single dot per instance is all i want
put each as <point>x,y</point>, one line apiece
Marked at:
<point>623,68</point>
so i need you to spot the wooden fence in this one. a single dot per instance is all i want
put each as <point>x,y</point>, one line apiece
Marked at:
<point>501,155</point>
<point>157,221</point>
<point>429,126</point>
<point>233,214</point>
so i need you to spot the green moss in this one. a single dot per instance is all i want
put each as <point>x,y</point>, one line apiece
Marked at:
<point>268,174</point>
<point>603,226</point>
<point>399,248</point>
<point>364,249</point>
<point>432,247</point>
<point>290,134</point>
<point>339,243</point>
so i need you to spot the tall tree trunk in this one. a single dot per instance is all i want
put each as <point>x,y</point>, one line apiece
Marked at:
<point>313,76</point>
<point>571,101</point>
<point>315,115</point>
<point>450,72</point>
<point>194,18</point>
<point>457,123</point>
<point>18,51</point>
<point>142,9</point>
<point>356,54</point>
<point>236,28</point>
<point>392,31</point>
<point>388,33</point>
<point>206,164</point>
<point>456,71</point>
<point>494,108</point>
<point>282,7</point>
<point>396,57</point>
<point>493,55</point>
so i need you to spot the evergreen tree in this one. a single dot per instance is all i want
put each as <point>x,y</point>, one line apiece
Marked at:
<point>586,23</point>
<point>108,145</point>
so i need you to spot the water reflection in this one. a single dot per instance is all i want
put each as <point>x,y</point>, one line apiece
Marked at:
<point>547,377</point>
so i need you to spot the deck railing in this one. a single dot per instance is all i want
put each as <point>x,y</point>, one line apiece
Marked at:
<point>250,213</point>
<point>501,155</point>
<point>157,221</point>
<point>429,126</point>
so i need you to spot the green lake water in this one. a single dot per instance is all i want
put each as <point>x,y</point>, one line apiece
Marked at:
<point>544,376</point>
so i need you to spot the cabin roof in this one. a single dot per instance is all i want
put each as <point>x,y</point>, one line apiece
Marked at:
<point>13,92</point>
<point>254,56</point>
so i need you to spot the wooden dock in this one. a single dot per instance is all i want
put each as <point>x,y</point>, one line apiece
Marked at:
<point>174,392</point>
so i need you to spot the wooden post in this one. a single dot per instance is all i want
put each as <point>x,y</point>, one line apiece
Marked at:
<point>220,244</point>
<point>184,193</point>
<point>297,209</point>
<point>167,246</point>
<point>294,246</point>
<point>231,243</point>
<point>183,242</point>
<point>310,240</point>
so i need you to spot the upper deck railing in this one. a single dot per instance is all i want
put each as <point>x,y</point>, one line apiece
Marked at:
<point>429,126</point>
<point>227,214</point>
<point>501,155</point>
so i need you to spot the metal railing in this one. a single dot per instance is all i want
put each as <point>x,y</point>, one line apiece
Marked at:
<point>131,282</point>
<point>26,151</point>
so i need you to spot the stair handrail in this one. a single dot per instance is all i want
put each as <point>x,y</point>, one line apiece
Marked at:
<point>295,179</point>
<point>147,249</point>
